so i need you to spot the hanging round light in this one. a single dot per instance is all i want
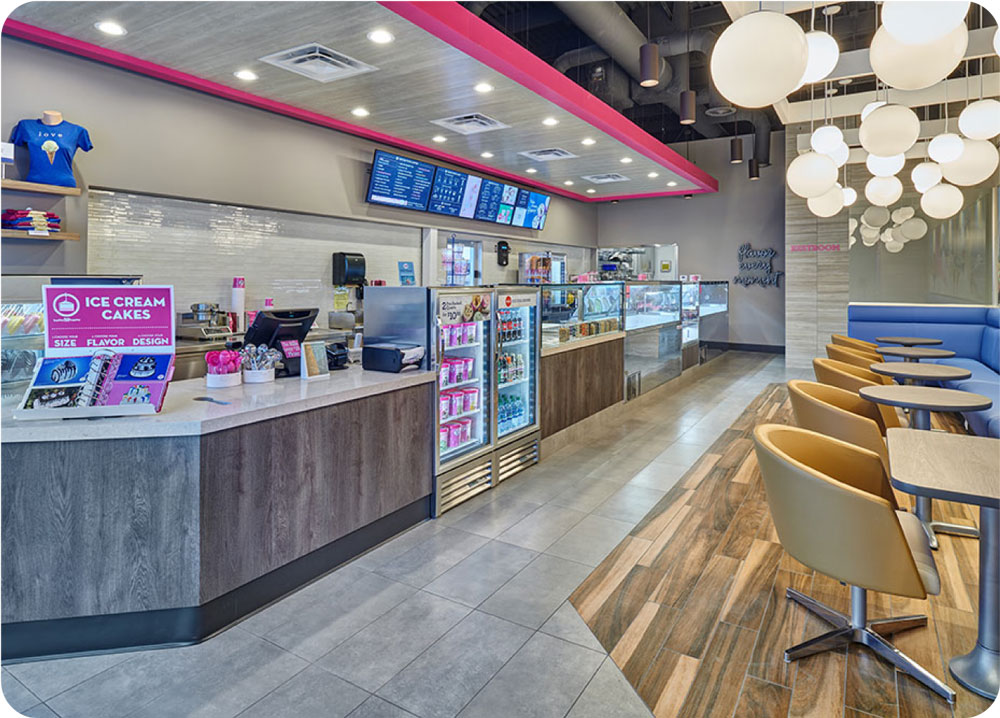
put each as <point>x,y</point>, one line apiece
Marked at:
<point>850,197</point>
<point>852,223</point>
<point>851,241</point>
<point>902,214</point>
<point>980,120</point>
<point>840,154</point>
<point>946,147</point>
<point>916,67</point>
<point>925,175</point>
<point>942,201</point>
<point>868,233</point>
<point>976,164</point>
<point>828,203</point>
<point>875,216</point>
<point>826,139</point>
<point>885,166</point>
<point>894,247</point>
<point>759,59</point>
<point>886,235</point>
<point>811,174</point>
<point>918,23</point>
<point>883,191</point>
<point>913,228</point>
<point>870,108</point>
<point>996,41</point>
<point>823,56</point>
<point>869,242</point>
<point>898,236</point>
<point>889,130</point>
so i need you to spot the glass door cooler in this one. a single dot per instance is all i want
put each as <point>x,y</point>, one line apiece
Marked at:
<point>518,342</point>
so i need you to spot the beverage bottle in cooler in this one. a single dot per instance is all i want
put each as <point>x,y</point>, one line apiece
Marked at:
<point>501,370</point>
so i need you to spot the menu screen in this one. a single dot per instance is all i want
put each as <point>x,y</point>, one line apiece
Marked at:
<point>454,193</point>
<point>400,181</point>
<point>531,210</point>
<point>496,202</point>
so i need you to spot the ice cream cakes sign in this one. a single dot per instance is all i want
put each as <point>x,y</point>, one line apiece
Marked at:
<point>756,267</point>
<point>128,320</point>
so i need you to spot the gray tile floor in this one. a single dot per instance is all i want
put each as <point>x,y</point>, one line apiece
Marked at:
<point>463,616</point>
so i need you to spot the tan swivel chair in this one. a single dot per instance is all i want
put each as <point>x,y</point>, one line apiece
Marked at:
<point>850,377</point>
<point>827,504</point>
<point>846,341</point>
<point>843,415</point>
<point>858,358</point>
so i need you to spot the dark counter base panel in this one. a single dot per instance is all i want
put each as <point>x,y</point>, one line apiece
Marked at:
<point>736,347</point>
<point>184,626</point>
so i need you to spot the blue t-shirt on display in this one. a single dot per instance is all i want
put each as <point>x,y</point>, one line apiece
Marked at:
<point>51,149</point>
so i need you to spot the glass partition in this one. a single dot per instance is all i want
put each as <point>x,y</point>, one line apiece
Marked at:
<point>649,304</point>
<point>714,298</point>
<point>571,312</point>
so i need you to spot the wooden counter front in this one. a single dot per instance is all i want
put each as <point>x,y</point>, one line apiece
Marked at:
<point>577,383</point>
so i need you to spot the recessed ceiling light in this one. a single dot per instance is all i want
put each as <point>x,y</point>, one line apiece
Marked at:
<point>568,183</point>
<point>381,37</point>
<point>109,27</point>
<point>550,122</point>
<point>531,170</point>
<point>439,138</point>
<point>246,75</point>
<point>626,160</point>
<point>587,141</point>
<point>360,112</point>
<point>653,175</point>
<point>483,87</point>
<point>671,183</point>
<point>591,190</point>
<point>486,155</point>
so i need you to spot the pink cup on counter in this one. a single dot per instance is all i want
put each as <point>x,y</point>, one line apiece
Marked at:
<point>470,400</point>
<point>444,406</point>
<point>457,399</point>
<point>466,429</point>
<point>469,368</point>
<point>443,434</point>
<point>454,435</point>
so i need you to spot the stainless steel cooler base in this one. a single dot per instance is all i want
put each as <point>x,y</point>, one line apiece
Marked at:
<point>462,483</point>
<point>518,455</point>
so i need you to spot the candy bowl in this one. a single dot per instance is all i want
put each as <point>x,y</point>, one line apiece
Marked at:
<point>223,369</point>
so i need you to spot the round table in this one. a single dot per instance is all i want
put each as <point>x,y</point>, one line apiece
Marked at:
<point>921,401</point>
<point>915,353</point>
<point>915,372</point>
<point>908,341</point>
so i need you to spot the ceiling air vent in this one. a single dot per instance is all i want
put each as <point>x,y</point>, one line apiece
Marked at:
<point>471,124</point>
<point>606,178</point>
<point>317,63</point>
<point>548,154</point>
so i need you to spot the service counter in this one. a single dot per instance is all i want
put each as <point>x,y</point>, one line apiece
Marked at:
<point>156,530</point>
<point>580,378</point>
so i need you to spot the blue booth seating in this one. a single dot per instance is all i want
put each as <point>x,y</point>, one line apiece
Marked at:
<point>973,333</point>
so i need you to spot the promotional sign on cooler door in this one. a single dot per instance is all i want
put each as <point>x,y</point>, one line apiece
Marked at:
<point>456,308</point>
<point>125,319</point>
<point>513,301</point>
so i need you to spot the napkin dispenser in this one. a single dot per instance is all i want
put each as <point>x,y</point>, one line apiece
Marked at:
<point>391,357</point>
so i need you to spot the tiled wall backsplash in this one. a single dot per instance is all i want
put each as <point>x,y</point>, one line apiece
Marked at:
<point>199,247</point>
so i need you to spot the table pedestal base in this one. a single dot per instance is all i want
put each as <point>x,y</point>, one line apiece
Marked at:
<point>979,671</point>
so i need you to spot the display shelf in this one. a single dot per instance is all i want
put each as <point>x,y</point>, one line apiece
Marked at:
<point>456,385</point>
<point>509,384</point>
<point>454,450</point>
<point>516,343</point>
<point>463,415</point>
<point>513,429</point>
<point>22,234</point>
<point>462,346</point>
<point>642,321</point>
<point>36,187</point>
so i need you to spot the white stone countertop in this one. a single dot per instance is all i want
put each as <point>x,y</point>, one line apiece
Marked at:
<point>248,403</point>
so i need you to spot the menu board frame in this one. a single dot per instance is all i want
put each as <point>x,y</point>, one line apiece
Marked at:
<point>371,182</point>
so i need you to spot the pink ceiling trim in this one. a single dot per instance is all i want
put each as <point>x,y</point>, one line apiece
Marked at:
<point>462,29</point>
<point>32,33</point>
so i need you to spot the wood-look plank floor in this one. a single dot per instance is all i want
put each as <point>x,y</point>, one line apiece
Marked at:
<point>691,605</point>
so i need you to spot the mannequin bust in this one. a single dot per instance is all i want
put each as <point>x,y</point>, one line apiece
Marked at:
<point>51,117</point>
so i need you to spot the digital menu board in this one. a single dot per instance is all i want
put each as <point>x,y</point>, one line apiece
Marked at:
<point>400,181</point>
<point>531,209</point>
<point>454,193</point>
<point>496,202</point>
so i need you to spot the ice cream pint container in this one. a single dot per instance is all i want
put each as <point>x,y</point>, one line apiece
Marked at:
<point>443,377</point>
<point>470,399</point>
<point>469,333</point>
<point>454,435</point>
<point>466,429</point>
<point>457,399</point>
<point>444,406</point>
<point>469,368</point>
<point>453,369</point>
<point>443,434</point>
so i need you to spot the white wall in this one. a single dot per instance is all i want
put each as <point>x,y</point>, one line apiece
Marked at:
<point>708,230</point>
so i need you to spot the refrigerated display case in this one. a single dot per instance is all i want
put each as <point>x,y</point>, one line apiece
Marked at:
<point>652,335</point>
<point>713,319</point>
<point>571,312</point>
<point>517,357</point>
<point>23,344</point>
<point>650,304</point>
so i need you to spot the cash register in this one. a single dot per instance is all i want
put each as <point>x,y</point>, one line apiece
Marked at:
<point>284,330</point>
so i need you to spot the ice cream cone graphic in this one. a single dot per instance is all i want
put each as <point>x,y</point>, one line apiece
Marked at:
<point>50,148</point>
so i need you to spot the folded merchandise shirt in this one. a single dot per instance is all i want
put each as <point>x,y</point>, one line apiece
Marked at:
<point>51,149</point>
<point>26,213</point>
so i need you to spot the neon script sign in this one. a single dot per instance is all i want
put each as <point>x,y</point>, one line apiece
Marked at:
<point>756,267</point>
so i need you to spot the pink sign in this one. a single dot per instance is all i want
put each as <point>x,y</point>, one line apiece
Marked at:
<point>129,320</point>
<point>291,348</point>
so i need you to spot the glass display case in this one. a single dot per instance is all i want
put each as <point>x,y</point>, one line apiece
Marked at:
<point>23,343</point>
<point>714,298</point>
<point>650,304</point>
<point>690,299</point>
<point>576,311</point>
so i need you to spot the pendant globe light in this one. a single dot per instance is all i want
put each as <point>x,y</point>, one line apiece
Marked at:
<point>869,235</point>
<point>916,67</point>
<point>942,201</point>
<point>852,224</point>
<point>978,161</point>
<point>850,196</point>
<point>811,174</point>
<point>851,241</point>
<point>875,216</point>
<point>894,247</point>
<point>826,139</point>
<point>883,191</point>
<point>980,120</point>
<point>759,59</point>
<point>902,214</point>
<point>871,107</point>
<point>824,52</point>
<point>885,166</point>
<point>925,175</point>
<point>913,228</point>
<point>840,154</point>
<point>869,241</point>
<point>886,235</point>
<point>946,147</point>
<point>889,130</point>
<point>918,23</point>
<point>829,203</point>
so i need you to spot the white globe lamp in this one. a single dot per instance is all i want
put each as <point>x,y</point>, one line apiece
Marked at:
<point>840,154</point>
<point>828,203</point>
<point>889,130</point>
<point>916,67</point>
<point>946,147</point>
<point>898,236</point>
<point>976,164</point>
<point>913,228</point>
<point>826,139</point>
<point>996,41</point>
<point>980,120</point>
<point>886,235</point>
<point>918,23</point>
<point>942,201</point>
<point>852,224</point>
<point>869,241</point>
<point>823,56</point>
<point>925,175</point>
<point>885,166</point>
<point>894,247</point>
<point>875,216</point>
<point>759,59</point>
<point>811,174</point>
<point>883,191</point>
<point>870,108</point>
<point>902,214</point>
<point>851,241</point>
<point>850,197</point>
